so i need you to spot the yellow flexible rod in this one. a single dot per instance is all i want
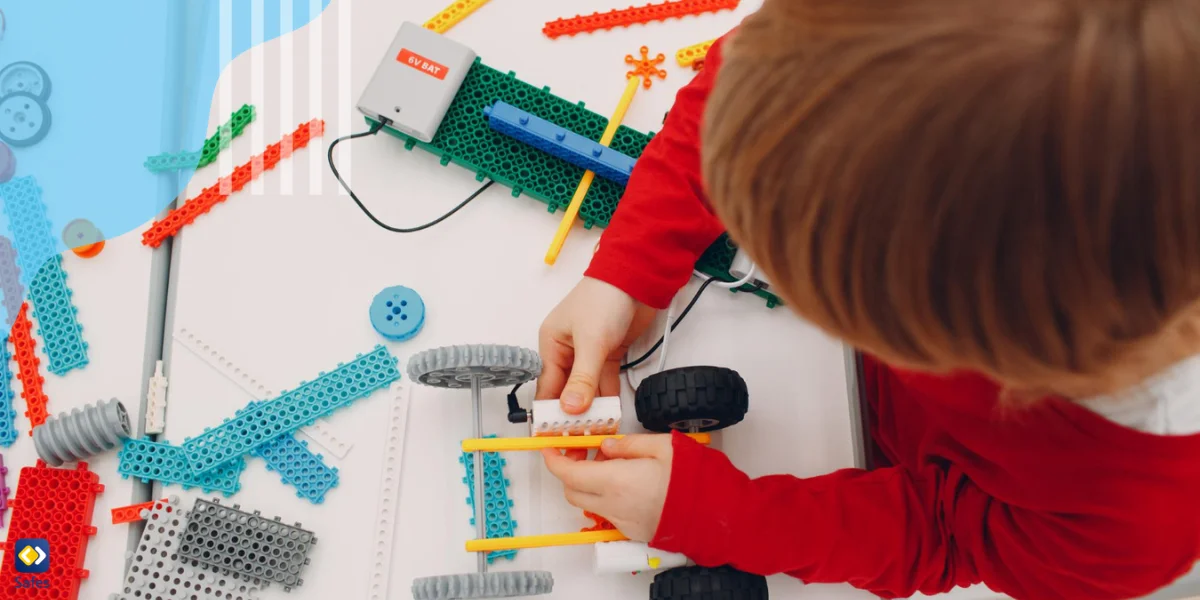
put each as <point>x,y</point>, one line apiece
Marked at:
<point>562,442</point>
<point>564,226</point>
<point>545,541</point>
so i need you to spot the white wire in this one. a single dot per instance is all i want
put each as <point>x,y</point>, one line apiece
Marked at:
<point>662,356</point>
<point>747,278</point>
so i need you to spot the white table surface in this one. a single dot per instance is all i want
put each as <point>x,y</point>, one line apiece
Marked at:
<point>278,280</point>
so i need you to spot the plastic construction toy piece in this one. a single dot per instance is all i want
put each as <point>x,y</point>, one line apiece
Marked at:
<point>291,411</point>
<point>132,513</point>
<point>27,370</point>
<point>599,523</point>
<point>497,505</point>
<point>318,432</point>
<point>55,505</point>
<point>25,76</point>
<point>211,196</point>
<point>555,140</point>
<point>83,238</point>
<point>629,16</point>
<point>212,146</point>
<point>4,491</point>
<point>157,572</point>
<point>81,433</point>
<point>156,401</point>
<point>464,137</point>
<point>561,442</point>
<point>389,495</point>
<point>545,541</point>
<point>693,56</point>
<point>451,15</point>
<point>634,557</point>
<point>496,584</point>
<point>24,119</point>
<point>397,313</point>
<point>585,183</point>
<point>603,417</point>
<point>8,415</point>
<point>299,467</point>
<point>28,223</point>
<point>10,281</point>
<point>246,543</point>
<point>159,461</point>
<point>646,67</point>
<point>57,318</point>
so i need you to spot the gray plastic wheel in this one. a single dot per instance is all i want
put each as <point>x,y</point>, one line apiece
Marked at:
<point>24,119</point>
<point>492,364</point>
<point>493,584</point>
<point>25,76</point>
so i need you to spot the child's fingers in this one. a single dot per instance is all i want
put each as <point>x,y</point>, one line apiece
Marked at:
<point>584,500</point>
<point>635,446</point>
<point>584,476</point>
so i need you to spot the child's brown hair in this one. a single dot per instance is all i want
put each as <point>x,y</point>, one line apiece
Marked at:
<point>1005,186</point>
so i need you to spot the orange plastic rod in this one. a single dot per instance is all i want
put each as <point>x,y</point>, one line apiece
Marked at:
<point>27,369</point>
<point>211,196</point>
<point>635,14</point>
<point>131,513</point>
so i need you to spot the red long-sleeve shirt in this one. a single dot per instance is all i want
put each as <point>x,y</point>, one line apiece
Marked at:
<point>1051,501</point>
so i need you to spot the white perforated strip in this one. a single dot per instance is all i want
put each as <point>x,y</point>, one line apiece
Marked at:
<point>156,401</point>
<point>319,432</point>
<point>389,493</point>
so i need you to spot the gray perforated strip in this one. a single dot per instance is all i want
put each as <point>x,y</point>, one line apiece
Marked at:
<point>246,543</point>
<point>493,584</point>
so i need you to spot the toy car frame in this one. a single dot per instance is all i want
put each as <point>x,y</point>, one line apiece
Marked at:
<point>694,400</point>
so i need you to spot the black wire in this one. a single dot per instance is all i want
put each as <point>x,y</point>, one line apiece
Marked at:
<point>641,359</point>
<point>372,131</point>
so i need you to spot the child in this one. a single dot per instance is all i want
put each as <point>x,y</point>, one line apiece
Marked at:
<point>997,202</point>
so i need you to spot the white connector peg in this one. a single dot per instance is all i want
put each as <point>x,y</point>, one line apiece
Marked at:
<point>156,401</point>
<point>633,557</point>
<point>603,418</point>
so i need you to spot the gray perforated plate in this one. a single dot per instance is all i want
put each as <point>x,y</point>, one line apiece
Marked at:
<point>492,364</point>
<point>246,543</point>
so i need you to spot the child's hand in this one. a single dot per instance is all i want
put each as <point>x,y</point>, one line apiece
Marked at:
<point>626,484</point>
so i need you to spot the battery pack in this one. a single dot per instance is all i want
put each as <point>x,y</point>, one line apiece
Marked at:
<point>415,82</point>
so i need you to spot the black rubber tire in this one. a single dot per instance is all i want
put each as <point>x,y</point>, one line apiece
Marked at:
<point>701,583</point>
<point>715,396</point>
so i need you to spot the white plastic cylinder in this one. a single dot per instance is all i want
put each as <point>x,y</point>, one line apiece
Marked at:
<point>633,557</point>
<point>602,418</point>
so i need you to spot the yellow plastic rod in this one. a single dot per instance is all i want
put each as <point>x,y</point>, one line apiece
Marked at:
<point>562,442</point>
<point>564,227</point>
<point>451,15</point>
<point>687,57</point>
<point>545,541</point>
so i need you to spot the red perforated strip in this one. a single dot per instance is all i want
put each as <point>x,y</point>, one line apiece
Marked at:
<point>27,369</point>
<point>628,16</point>
<point>56,505</point>
<point>131,513</point>
<point>184,215</point>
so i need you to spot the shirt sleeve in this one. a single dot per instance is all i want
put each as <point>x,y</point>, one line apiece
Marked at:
<point>663,224</point>
<point>896,532</point>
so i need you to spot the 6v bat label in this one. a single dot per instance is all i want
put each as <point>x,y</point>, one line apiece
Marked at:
<point>422,64</point>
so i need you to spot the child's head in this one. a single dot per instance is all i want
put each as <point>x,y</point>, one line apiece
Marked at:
<point>1011,187</point>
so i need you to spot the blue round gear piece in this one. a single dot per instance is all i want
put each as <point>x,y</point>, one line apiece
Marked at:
<point>24,119</point>
<point>397,313</point>
<point>25,76</point>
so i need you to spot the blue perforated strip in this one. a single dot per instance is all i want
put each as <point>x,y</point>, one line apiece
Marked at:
<point>269,420</point>
<point>558,141</point>
<point>498,508</point>
<point>160,461</point>
<point>299,467</point>
<point>8,415</point>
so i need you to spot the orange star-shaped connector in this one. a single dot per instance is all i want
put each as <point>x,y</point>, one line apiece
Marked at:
<point>646,67</point>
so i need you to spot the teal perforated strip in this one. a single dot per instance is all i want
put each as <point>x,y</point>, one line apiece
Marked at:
<point>160,461</point>
<point>465,138</point>
<point>299,467</point>
<point>292,410</point>
<point>8,415</point>
<point>497,508</point>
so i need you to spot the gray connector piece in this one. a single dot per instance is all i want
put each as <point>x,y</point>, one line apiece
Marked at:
<point>247,544</point>
<point>493,584</point>
<point>81,433</point>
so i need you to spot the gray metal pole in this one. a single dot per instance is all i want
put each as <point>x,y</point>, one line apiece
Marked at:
<point>480,513</point>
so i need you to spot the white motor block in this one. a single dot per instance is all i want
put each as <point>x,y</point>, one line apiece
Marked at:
<point>633,557</point>
<point>603,418</point>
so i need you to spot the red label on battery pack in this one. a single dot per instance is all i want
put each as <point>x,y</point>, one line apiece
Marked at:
<point>422,64</point>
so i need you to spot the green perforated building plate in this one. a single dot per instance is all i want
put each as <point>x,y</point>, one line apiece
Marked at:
<point>465,138</point>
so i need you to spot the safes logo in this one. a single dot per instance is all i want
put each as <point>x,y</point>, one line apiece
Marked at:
<point>32,555</point>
